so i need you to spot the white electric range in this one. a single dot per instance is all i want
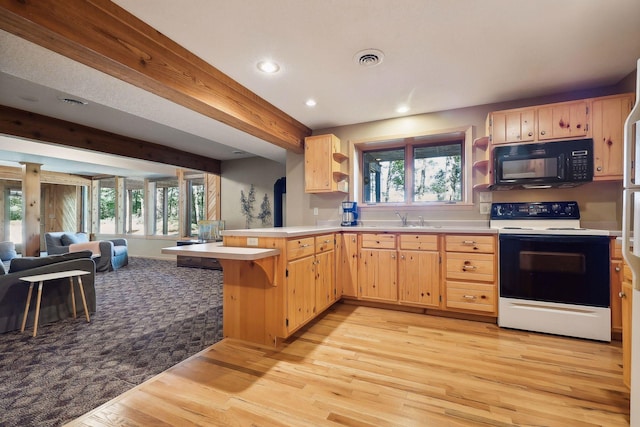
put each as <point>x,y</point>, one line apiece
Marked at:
<point>553,274</point>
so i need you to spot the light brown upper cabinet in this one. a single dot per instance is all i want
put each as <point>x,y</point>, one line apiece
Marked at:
<point>563,120</point>
<point>513,126</point>
<point>326,165</point>
<point>599,118</point>
<point>607,122</point>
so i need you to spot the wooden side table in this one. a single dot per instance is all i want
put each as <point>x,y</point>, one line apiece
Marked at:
<point>41,278</point>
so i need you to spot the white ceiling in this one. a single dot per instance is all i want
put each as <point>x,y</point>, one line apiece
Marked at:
<point>438,55</point>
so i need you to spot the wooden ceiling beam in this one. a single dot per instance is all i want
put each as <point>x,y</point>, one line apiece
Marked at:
<point>102,35</point>
<point>37,127</point>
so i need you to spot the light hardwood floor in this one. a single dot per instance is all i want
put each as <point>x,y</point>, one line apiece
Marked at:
<point>363,366</point>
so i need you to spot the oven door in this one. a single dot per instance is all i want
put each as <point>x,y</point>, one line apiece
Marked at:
<point>514,167</point>
<point>558,269</point>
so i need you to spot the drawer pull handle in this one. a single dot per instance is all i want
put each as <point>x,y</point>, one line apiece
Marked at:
<point>468,242</point>
<point>469,296</point>
<point>327,241</point>
<point>622,294</point>
<point>304,246</point>
<point>468,267</point>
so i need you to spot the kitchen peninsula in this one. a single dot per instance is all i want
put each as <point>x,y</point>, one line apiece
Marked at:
<point>276,280</point>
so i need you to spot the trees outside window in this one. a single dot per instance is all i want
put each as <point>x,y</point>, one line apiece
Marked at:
<point>134,212</point>
<point>167,197</point>
<point>195,204</point>
<point>107,208</point>
<point>413,171</point>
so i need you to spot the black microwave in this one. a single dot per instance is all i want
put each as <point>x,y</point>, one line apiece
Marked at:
<point>559,164</point>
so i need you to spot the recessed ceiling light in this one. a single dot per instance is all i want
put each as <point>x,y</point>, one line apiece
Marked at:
<point>238,152</point>
<point>402,109</point>
<point>269,67</point>
<point>28,98</point>
<point>311,103</point>
<point>72,101</point>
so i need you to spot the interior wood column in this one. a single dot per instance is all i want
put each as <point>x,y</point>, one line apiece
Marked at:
<point>31,209</point>
<point>148,207</point>
<point>120,205</point>
<point>212,196</point>
<point>95,206</point>
<point>5,215</point>
<point>184,220</point>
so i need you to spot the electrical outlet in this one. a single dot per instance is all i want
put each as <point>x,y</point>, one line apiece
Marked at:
<point>252,241</point>
<point>485,208</point>
<point>315,211</point>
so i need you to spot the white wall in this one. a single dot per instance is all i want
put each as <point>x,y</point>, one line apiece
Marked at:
<point>238,175</point>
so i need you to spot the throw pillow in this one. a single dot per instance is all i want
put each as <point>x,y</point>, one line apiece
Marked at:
<point>7,251</point>
<point>70,238</point>
<point>26,263</point>
<point>3,268</point>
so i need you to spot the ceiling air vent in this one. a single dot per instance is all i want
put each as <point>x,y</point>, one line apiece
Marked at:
<point>369,57</point>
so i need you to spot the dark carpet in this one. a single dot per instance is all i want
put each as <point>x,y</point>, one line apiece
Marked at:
<point>150,315</point>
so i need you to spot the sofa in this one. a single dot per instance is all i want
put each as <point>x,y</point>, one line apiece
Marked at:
<point>56,294</point>
<point>108,255</point>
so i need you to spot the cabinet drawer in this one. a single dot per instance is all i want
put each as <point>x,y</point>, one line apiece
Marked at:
<point>471,296</point>
<point>297,248</point>
<point>480,244</point>
<point>471,266</point>
<point>379,241</point>
<point>325,243</point>
<point>420,242</point>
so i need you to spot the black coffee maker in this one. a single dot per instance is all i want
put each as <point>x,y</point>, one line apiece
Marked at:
<point>349,214</point>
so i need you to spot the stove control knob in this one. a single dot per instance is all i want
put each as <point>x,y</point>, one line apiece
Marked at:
<point>568,209</point>
<point>555,208</point>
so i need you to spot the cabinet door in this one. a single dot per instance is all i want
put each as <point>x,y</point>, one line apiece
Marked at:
<point>377,275</point>
<point>607,127</point>
<point>419,277</point>
<point>348,265</point>
<point>317,163</point>
<point>513,126</point>
<point>325,284</point>
<point>616,301</point>
<point>627,302</point>
<point>566,120</point>
<point>300,291</point>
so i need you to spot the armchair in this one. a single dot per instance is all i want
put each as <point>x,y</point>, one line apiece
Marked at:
<point>108,255</point>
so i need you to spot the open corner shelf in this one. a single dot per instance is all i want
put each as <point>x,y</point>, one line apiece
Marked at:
<point>481,187</point>
<point>340,157</point>
<point>482,143</point>
<point>340,176</point>
<point>482,165</point>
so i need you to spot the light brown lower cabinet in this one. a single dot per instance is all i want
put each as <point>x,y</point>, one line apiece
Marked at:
<point>419,278</point>
<point>377,275</point>
<point>471,273</point>
<point>347,274</point>
<point>627,303</point>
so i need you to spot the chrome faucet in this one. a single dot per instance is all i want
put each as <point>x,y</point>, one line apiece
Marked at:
<point>402,218</point>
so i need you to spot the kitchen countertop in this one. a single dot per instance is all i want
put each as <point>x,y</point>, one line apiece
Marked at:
<point>216,250</point>
<point>374,227</point>
<point>454,226</point>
